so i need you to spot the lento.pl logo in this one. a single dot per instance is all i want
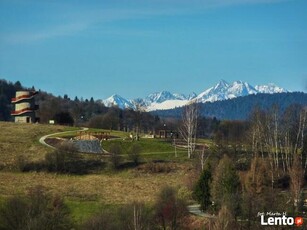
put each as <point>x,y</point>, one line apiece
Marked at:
<point>279,219</point>
<point>298,221</point>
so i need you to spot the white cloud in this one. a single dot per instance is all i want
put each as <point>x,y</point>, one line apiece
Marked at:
<point>77,22</point>
<point>56,31</point>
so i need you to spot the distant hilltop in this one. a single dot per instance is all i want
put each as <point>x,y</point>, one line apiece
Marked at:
<point>240,108</point>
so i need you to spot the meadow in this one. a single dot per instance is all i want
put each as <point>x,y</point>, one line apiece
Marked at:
<point>87,194</point>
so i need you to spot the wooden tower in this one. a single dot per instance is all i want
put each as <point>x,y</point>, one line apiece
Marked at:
<point>25,107</point>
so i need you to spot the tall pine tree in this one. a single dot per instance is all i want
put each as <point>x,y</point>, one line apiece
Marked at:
<point>202,190</point>
<point>225,185</point>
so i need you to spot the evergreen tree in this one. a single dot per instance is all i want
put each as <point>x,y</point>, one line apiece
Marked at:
<point>202,190</point>
<point>225,185</point>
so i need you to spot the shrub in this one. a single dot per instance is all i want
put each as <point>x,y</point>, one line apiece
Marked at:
<point>134,153</point>
<point>226,220</point>
<point>135,216</point>
<point>55,161</point>
<point>153,167</point>
<point>21,163</point>
<point>115,158</point>
<point>130,216</point>
<point>65,159</point>
<point>105,220</point>
<point>2,166</point>
<point>169,209</point>
<point>184,193</point>
<point>36,211</point>
<point>13,214</point>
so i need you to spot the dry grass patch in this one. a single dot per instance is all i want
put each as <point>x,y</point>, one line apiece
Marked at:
<point>23,140</point>
<point>116,188</point>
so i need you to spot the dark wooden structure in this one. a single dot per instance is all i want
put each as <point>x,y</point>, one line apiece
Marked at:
<point>168,134</point>
<point>98,135</point>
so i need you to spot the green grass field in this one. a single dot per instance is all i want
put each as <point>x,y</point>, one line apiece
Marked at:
<point>151,149</point>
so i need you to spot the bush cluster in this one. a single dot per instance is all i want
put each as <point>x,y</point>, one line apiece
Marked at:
<point>168,212</point>
<point>36,211</point>
<point>65,159</point>
<point>157,167</point>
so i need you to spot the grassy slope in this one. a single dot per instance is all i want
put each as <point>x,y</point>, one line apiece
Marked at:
<point>84,194</point>
<point>23,139</point>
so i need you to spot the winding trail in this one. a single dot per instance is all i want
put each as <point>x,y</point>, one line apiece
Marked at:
<point>195,210</point>
<point>43,138</point>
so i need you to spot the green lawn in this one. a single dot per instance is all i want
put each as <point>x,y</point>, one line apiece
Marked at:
<point>146,145</point>
<point>82,210</point>
<point>154,149</point>
<point>151,149</point>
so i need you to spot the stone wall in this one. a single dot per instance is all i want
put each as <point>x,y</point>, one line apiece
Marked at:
<point>87,146</point>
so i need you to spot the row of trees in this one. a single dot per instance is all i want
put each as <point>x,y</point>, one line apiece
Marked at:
<point>276,141</point>
<point>237,198</point>
<point>279,135</point>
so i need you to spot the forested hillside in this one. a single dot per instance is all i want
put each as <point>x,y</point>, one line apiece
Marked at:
<point>7,91</point>
<point>240,108</point>
<point>77,111</point>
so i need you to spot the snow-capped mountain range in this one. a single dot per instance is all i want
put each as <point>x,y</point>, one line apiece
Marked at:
<point>166,100</point>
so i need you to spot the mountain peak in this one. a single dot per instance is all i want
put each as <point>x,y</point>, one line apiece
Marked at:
<point>167,100</point>
<point>116,96</point>
<point>117,100</point>
<point>159,97</point>
<point>238,82</point>
<point>222,84</point>
<point>222,81</point>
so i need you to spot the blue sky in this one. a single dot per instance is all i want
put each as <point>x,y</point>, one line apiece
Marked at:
<point>136,47</point>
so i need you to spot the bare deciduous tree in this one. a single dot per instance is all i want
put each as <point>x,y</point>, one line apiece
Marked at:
<point>296,174</point>
<point>189,126</point>
<point>225,220</point>
<point>281,137</point>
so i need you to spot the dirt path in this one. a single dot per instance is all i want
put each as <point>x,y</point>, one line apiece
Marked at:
<point>195,209</point>
<point>43,138</point>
